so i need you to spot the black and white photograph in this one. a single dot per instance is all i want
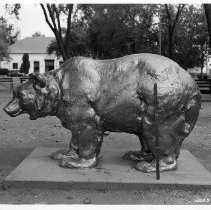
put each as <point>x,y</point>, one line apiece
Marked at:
<point>105,103</point>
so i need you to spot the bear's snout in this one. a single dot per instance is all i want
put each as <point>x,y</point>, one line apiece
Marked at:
<point>13,108</point>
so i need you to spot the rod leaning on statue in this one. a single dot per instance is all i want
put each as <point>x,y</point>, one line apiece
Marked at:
<point>91,97</point>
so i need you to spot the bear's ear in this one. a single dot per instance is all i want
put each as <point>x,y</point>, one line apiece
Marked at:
<point>38,79</point>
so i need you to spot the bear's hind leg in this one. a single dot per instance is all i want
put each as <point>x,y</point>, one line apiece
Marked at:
<point>169,148</point>
<point>168,163</point>
<point>140,155</point>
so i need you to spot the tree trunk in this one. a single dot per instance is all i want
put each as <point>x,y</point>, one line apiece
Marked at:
<point>172,22</point>
<point>202,62</point>
<point>67,44</point>
<point>53,19</point>
<point>61,45</point>
<point>170,48</point>
<point>207,8</point>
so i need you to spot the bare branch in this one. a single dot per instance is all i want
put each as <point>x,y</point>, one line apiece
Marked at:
<point>167,12</point>
<point>46,18</point>
<point>57,17</point>
<point>54,29</point>
<point>52,16</point>
<point>58,29</point>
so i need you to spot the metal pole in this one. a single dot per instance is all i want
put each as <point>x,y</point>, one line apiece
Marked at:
<point>156,131</point>
<point>207,59</point>
<point>160,32</point>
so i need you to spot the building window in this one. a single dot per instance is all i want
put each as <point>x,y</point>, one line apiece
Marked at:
<point>49,65</point>
<point>15,65</point>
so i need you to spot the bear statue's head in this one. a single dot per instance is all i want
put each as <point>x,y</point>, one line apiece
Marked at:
<point>39,97</point>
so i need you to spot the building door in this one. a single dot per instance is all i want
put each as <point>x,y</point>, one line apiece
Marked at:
<point>36,66</point>
<point>49,65</point>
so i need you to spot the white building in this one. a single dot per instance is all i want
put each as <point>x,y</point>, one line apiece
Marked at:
<point>36,47</point>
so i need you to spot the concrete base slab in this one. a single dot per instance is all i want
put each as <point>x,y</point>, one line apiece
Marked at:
<point>112,172</point>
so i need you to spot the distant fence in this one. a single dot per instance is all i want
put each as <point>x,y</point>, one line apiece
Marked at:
<point>204,85</point>
<point>23,79</point>
<point>7,80</point>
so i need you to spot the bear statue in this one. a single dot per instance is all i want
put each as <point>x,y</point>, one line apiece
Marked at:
<point>91,97</point>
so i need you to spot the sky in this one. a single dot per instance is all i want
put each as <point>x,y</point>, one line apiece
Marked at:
<point>31,20</point>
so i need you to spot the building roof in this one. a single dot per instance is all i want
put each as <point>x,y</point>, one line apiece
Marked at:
<point>31,45</point>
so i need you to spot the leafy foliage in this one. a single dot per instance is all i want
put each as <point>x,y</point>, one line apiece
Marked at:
<point>191,38</point>
<point>13,9</point>
<point>170,18</point>
<point>38,34</point>
<point>107,31</point>
<point>3,50</point>
<point>117,30</point>
<point>78,44</point>
<point>8,36</point>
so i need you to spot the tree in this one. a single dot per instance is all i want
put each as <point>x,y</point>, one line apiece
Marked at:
<point>7,33</point>
<point>207,8</point>
<point>38,34</point>
<point>13,9</point>
<point>108,31</point>
<point>53,15</point>
<point>3,50</point>
<point>25,64</point>
<point>173,13</point>
<point>190,41</point>
<point>107,35</point>
<point>8,36</point>
<point>78,45</point>
<point>117,30</point>
<point>184,36</point>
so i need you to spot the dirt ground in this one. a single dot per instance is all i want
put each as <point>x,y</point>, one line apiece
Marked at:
<point>19,136</point>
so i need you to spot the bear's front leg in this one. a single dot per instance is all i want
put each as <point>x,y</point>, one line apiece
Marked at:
<point>67,153</point>
<point>89,141</point>
<point>85,125</point>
